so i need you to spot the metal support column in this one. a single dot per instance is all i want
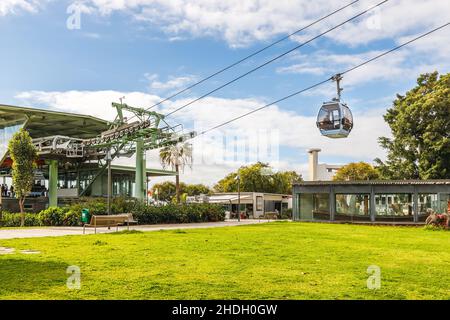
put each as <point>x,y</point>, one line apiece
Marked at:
<point>332,203</point>
<point>416,205</point>
<point>53,183</point>
<point>295,206</point>
<point>109,182</point>
<point>140,172</point>
<point>372,206</point>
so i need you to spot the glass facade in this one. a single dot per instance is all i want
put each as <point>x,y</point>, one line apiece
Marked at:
<point>378,202</point>
<point>444,203</point>
<point>425,202</point>
<point>352,207</point>
<point>394,207</point>
<point>315,206</point>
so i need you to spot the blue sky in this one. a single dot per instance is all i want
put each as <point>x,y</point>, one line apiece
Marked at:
<point>146,49</point>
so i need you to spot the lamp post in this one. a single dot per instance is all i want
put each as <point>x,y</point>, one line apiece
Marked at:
<point>238,178</point>
<point>108,159</point>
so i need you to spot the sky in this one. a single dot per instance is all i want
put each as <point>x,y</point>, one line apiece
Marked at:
<point>79,56</point>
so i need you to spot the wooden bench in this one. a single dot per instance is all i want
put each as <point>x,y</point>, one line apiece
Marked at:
<point>116,220</point>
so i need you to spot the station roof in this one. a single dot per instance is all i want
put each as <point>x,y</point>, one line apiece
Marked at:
<point>374,182</point>
<point>42,123</point>
<point>150,172</point>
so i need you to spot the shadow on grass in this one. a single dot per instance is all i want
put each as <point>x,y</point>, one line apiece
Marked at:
<point>20,276</point>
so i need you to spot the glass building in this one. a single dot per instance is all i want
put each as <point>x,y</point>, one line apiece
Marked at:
<point>405,201</point>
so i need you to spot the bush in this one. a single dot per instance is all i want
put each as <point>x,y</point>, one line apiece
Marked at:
<point>72,218</point>
<point>286,214</point>
<point>52,217</point>
<point>13,219</point>
<point>178,213</point>
<point>99,206</point>
<point>144,214</point>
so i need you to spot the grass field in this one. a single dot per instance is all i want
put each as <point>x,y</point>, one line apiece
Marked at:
<point>269,261</point>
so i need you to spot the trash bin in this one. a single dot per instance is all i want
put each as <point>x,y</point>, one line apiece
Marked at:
<point>85,216</point>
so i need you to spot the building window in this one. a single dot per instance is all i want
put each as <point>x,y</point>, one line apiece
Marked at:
<point>259,203</point>
<point>427,201</point>
<point>394,207</point>
<point>353,207</point>
<point>314,206</point>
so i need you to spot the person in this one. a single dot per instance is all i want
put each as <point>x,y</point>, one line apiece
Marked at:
<point>11,191</point>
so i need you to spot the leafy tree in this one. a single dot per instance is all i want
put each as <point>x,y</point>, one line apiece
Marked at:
<point>254,178</point>
<point>357,171</point>
<point>167,190</point>
<point>23,154</point>
<point>195,189</point>
<point>176,156</point>
<point>420,125</point>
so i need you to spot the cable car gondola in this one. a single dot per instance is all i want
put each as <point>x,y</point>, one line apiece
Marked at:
<point>335,120</point>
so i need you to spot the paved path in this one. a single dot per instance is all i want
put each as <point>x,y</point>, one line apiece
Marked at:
<point>64,231</point>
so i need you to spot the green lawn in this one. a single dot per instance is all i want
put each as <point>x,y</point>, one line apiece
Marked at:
<point>269,261</point>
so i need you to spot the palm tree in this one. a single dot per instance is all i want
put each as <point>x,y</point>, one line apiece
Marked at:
<point>177,157</point>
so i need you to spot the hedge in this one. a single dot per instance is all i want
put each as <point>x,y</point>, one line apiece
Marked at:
<point>144,214</point>
<point>173,213</point>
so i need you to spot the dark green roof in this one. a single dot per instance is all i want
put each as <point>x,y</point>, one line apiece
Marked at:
<point>150,172</point>
<point>42,123</point>
<point>374,182</point>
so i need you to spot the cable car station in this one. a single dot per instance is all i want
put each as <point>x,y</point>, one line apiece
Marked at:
<point>75,153</point>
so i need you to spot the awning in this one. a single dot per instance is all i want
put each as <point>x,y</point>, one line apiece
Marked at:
<point>227,199</point>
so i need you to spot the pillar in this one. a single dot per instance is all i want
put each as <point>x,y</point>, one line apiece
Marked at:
<point>373,209</point>
<point>416,205</point>
<point>53,183</point>
<point>313,164</point>
<point>140,171</point>
<point>332,203</point>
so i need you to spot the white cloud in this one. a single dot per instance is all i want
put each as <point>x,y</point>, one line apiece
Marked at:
<point>296,132</point>
<point>302,68</point>
<point>171,83</point>
<point>94,103</point>
<point>245,22</point>
<point>403,65</point>
<point>15,6</point>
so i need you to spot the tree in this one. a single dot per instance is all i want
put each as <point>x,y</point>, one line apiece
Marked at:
<point>195,189</point>
<point>23,154</point>
<point>176,157</point>
<point>255,178</point>
<point>420,125</point>
<point>167,190</point>
<point>357,171</point>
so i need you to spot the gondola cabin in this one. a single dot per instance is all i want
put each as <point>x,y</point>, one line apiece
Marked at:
<point>335,120</point>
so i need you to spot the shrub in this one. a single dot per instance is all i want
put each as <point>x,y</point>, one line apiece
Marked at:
<point>72,218</point>
<point>178,213</point>
<point>144,214</point>
<point>286,214</point>
<point>13,219</point>
<point>52,216</point>
<point>99,206</point>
